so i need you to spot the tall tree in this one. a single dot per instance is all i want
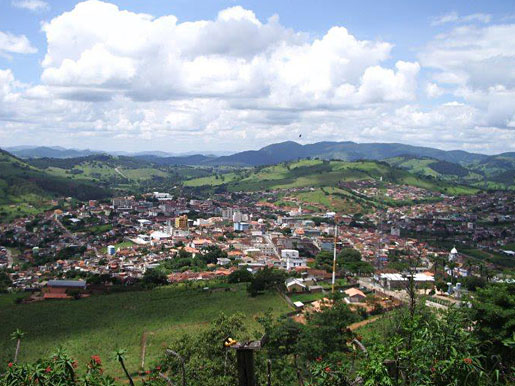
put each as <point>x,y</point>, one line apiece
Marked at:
<point>17,336</point>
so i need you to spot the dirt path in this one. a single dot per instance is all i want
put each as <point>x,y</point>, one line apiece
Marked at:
<point>120,173</point>
<point>355,326</point>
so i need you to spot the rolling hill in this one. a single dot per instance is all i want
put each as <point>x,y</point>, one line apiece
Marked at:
<point>325,182</point>
<point>274,153</point>
<point>48,151</point>
<point>347,151</point>
<point>123,173</point>
<point>493,172</point>
<point>25,188</point>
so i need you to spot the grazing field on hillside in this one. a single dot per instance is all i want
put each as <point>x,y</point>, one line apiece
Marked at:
<point>318,173</point>
<point>100,324</point>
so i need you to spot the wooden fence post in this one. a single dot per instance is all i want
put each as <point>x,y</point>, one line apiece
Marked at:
<point>245,359</point>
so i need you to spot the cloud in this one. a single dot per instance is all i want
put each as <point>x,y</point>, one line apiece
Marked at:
<point>31,5</point>
<point>15,44</point>
<point>233,56</point>
<point>236,82</point>
<point>478,65</point>
<point>453,17</point>
<point>433,90</point>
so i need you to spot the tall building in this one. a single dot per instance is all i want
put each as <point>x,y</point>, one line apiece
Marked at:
<point>227,213</point>
<point>290,259</point>
<point>181,222</point>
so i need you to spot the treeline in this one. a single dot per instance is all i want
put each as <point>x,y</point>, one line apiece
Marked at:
<point>444,167</point>
<point>98,159</point>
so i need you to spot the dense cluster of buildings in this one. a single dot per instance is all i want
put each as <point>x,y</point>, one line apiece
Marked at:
<point>129,235</point>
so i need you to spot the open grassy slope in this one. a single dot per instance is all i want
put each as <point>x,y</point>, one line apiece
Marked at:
<point>100,324</point>
<point>25,189</point>
<point>318,173</point>
<point>494,172</point>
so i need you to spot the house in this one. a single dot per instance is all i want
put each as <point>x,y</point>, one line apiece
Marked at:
<point>58,289</point>
<point>295,285</point>
<point>223,261</point>
<point>355,295</point>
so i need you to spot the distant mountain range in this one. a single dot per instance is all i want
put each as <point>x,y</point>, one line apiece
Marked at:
<point>347,151</point>
<point>268,155</point>
<point>32,152</point>
<point>481,170</point>
<point>48,152</point>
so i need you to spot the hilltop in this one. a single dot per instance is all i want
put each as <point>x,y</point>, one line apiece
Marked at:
<point>122,173</point>
<point>347,151</point>
<point>24,187</point>
<point>493,172</point>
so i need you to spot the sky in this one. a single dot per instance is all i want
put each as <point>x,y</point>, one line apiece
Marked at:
<point>213,75</point>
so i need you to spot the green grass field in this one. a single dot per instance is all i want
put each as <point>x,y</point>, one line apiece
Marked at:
<point>317,173</point>
<point>305,298</point>
<point>100,324</point>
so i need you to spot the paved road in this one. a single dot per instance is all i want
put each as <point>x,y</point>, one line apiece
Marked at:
<point>271,243</point>
<point>66,231</point>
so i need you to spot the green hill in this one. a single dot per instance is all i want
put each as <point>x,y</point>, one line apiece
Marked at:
<point>327,181</point>
<point>494,172</point>
<point>25,189</point>
<point>122,173</point>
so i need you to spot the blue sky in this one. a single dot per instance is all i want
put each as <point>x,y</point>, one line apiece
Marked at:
<point>434,73</point>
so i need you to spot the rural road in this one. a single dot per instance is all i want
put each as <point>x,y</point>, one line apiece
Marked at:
<point>120,173</point>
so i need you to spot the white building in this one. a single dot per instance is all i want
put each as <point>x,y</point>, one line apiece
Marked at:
<point>162,196</point>
<point>290,259</point>
<point>227,213</point>
<point>237,216</point>
<point>453,255</point>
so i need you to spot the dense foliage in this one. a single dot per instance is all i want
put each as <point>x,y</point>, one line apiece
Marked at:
<point>348,260</point>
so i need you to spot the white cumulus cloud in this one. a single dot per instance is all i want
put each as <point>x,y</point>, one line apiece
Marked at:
<point>113,78</point>
<point>234,55</point>
<point>15,44</point>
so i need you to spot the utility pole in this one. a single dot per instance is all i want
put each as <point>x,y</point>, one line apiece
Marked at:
<point>334,254</point>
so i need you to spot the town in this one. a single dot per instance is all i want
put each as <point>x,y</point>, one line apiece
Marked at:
<point>119,240</point>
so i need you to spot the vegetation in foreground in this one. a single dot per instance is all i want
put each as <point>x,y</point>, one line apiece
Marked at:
<point>100,324</point>
<point>410,346</point>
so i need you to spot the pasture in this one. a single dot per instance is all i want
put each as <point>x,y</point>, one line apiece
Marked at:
<point>98,325</point>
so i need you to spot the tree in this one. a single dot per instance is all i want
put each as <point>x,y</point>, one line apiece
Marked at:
<point>154,277</point>
<point>240,276</point>
<point>349,260</point>
<point>120,356</point>
<point>212,253</point>
<point>265,279</point>
<point>330,328</point>
<point>493,310</point>
<point>5,281</point>
<point>17,336</point>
